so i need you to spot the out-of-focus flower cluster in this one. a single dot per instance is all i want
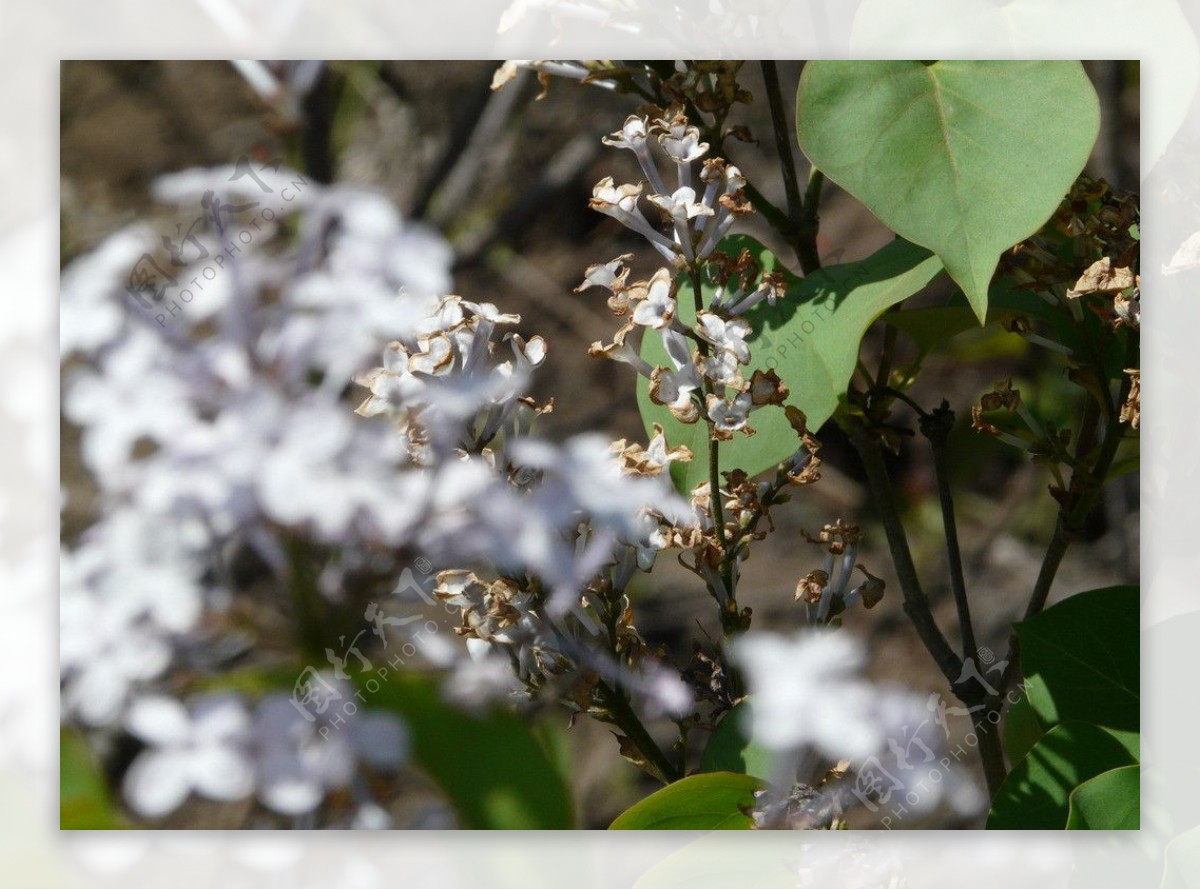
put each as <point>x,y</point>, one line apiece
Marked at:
<point>217,748</point>
<point>214,423</point>
<point>809,700</point>
<point>562,525</point>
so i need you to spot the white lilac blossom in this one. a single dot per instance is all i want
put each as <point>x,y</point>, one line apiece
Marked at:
<point>621,203</point>
<point>461,395</point>
<point>728,336</point>
<point>674,388</point>
<point>201,749</point>
<point>486,676</point>
<point>656,307</point>
<point>611,275</point>
<point>633,135</point>
<point>698,222</point>
<point>104,650</point>
<point>826,592</point>
<point>809,698</point>
<point>128,590</point>
<point>582,478</point>
<point>807,693</point>
<point>212,418</point>
<point>436,381</point>
<point>728,417</point>
<point>621,351</point>
<point>216,748</point>
<point>681,143</point>
<point>652,460</point>
<point>567,68</point>
<point>679,207</point>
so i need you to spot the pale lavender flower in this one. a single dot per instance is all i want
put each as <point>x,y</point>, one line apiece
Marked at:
<point>621,203</point>
<point>727,335</point>
<point>633,135</point>
<point>610,275</point>
<point>681,206</point>
<point>656,308</point>
<point>201,749</point>
<point>728,416</point>
<point>300,761</point>
<point>807,693</point>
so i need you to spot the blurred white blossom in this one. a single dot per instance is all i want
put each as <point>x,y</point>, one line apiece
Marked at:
<point>217,748</point>
<point>201,748</point>
<point>807,692</point>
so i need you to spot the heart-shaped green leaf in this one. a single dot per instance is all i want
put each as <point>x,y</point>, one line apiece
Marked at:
<point>1110,801</point>
<point>810,339</point>
<point>706,801</point>
<point>1037,792</point>
<point>964,158</point>
<point>1080,658</point>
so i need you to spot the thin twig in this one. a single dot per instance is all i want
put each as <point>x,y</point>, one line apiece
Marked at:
<point>320,113</point>
<point>783,143</point>
<point>803,212</point>
<point>936,427</point>
<point>916,603</point>
<point>628,722</point>
<point>810,222</point>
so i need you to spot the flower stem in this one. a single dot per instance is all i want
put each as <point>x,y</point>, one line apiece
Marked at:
<point>772,214</point>
<point>625,719</point>
<point>730,618</point>
<point>810,223</point>
<point>311,615</point>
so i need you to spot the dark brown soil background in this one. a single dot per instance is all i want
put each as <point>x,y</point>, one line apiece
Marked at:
<point>514,204</point>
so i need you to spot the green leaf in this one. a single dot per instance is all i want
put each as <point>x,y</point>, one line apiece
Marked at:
<point>930,327</point>
<point>1031,725</point>
<point>1109,801</point>
<point>730,750</point>
<point>491,767</point>
<point>1081,659</point>
<point>705,801</point>
<point>810,338</point>
<point>1022,729</point>
<point>84,801</point>
<point>1037,792</point>
<point>965,158</point>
